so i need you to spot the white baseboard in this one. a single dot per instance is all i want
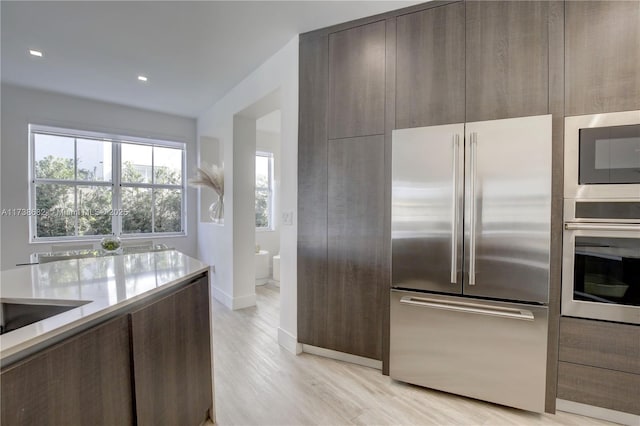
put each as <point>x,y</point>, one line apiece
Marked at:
<point>244,301</point>
<point>222,297</point>
<point>262,281</point>
<point>597,412</point>
<point>341,356</point>
<point>233,303</point>
<point>289,341</point>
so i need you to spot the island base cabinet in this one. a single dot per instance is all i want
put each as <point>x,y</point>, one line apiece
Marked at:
<point>85,380</point>
<point>172,358</point>
<point>148,366</point>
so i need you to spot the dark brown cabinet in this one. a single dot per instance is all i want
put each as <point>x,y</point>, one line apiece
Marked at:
<point>149,367</point>
<point>85,380</point>
<point>356,81</point>
<point>507,59</point>
<point>430,67</point>
<point>356,245</point>
<point>172,358</point>
<point>614,390</point>
<point>341,187</point>
<point>600,364</point>
<point>602,56</point>
<point>312,191</point>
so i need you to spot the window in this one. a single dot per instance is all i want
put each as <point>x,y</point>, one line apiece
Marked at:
<point>264,190</point>
<point>85,185</point>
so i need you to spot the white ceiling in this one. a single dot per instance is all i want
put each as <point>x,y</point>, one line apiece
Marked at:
<point>192,52</point>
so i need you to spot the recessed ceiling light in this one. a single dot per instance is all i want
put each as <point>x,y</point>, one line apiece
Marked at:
<point>142,78</point>
<point>35,53</point>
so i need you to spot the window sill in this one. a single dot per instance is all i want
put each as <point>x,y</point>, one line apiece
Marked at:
<point>93,239</point>
<point>265,230</point>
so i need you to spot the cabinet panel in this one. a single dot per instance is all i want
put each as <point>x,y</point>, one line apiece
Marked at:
<point>356,245</point>
<point>312,190</point>
<point>172,358</point>
<point>507,73</point>
<point>600,344</point>
<point>430,67</point>
<point>83,380</point>
<point>602,56</point>
<point>600,387</point>
<point>356,81</point>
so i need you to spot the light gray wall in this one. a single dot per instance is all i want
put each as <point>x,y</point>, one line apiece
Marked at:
<point>218,245</point>
<point>21,106</point>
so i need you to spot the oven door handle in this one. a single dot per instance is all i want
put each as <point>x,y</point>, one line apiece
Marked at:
<point>572,226</point>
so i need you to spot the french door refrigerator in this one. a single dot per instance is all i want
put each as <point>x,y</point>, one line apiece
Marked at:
<point>471,209</point>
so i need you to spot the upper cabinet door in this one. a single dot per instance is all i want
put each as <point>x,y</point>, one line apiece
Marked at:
<point>602,56</point>
<point>507,59</point>
<point>430,67</point>
<point>356,81</point>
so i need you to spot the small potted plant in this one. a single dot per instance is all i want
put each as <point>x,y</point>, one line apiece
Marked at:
<point>110,244</point>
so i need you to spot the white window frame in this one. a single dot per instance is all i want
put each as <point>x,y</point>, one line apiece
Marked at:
<point>270,192</point>
<point>115,183</point>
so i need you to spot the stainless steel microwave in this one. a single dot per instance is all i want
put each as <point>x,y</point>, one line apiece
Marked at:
<point>602,156</point>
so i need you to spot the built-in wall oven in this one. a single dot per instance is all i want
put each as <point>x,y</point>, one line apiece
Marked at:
<point>601,244</point>
<point>601,268</point>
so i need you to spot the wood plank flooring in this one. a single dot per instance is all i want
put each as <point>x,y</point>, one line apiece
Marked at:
<point>259,383</point>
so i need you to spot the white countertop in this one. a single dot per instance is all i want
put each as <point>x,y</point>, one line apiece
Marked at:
<point>106,283</point>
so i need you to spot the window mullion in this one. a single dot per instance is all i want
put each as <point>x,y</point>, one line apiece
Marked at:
<point>270,196</point>
<point>76,223</point>
<point>153,208</point>
<point>116,200</point>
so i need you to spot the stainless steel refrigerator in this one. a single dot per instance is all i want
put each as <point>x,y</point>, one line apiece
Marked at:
<point>471,209</point>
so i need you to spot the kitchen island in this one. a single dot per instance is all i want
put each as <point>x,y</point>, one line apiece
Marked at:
<point>133,345</point>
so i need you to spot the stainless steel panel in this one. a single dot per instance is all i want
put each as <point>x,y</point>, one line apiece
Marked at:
<point>572,126</point>
<point>627,210</point>
<point>496,352</point>
<point>426,210</point>
<point>508,208</point>
<point>593,309</point>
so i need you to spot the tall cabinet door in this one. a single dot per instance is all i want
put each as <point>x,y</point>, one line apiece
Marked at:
<point>507,66</point>
<point>426,203</point>
<point>430,67</point>
<point>508,208</point>
<point>356,245</point>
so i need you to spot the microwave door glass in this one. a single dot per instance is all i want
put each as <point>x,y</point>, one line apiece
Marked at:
<point>610,155</point>
<point>607,270</point>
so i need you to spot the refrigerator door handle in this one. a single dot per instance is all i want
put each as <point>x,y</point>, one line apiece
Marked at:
<point>471,308</point>
<point>454,211</point>
<point>472,208</point>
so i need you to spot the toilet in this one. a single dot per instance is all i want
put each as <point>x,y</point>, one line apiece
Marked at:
<point>262,267</point>
<point>276,269</point>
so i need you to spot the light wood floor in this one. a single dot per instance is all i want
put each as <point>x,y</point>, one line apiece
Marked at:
<point>259,383</point>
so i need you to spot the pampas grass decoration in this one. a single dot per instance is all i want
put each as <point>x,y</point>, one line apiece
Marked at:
<point>209,177</point>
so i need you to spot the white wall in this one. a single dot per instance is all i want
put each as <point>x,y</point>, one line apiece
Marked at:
<point>270,240</point>
<point>219,245</point>
<point>21,106</point>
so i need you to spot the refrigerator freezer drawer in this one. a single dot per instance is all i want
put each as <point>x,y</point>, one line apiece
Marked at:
<point>491,351</point>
